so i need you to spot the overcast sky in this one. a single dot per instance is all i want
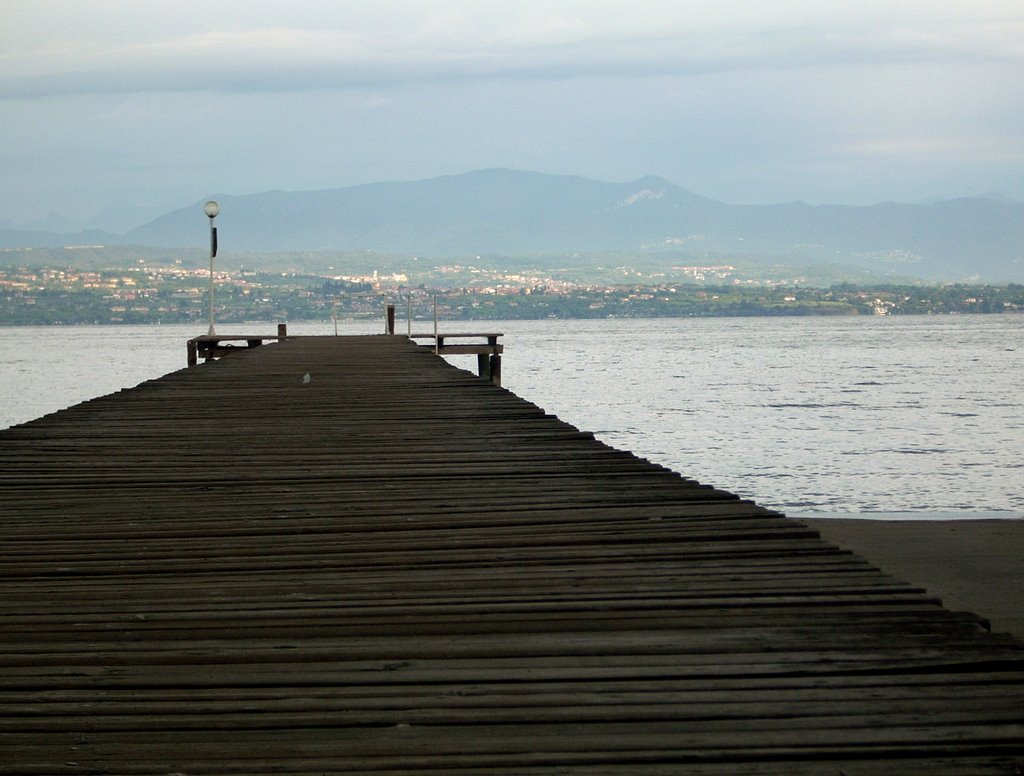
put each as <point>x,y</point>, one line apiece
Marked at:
<point>166,103</point>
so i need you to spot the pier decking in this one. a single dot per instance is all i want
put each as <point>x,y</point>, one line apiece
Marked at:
<point>341,554</point>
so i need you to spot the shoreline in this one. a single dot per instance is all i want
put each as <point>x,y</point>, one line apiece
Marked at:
<point>1003,514</point>
<point>972,563</point>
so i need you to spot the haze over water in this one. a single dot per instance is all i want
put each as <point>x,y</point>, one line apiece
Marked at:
<point>919,416</point>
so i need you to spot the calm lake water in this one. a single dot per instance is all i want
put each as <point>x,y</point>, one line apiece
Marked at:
<point>911,416</point>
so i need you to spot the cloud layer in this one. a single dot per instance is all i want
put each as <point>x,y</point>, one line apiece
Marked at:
<point>868,100</point>
<point>485,41</point>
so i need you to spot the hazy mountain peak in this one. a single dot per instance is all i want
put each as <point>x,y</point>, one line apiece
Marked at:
<point>993,196</point>
<point>54,222</point>
<point>653,182</point>
<point>996,196</point>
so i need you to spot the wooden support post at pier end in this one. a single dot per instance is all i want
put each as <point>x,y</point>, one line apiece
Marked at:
<point>494,364</point>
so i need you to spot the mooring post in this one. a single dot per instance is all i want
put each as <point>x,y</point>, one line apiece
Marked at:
<point>483,365</point>
<point>282,330</point>
<point>391,319</point>
<point>193,356</point>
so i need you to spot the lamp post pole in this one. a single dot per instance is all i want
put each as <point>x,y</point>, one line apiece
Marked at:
<point>211,209</point>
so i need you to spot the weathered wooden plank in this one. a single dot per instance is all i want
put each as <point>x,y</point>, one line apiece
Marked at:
<point>447,746</point>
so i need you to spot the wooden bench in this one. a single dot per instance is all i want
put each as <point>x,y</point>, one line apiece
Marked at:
<point>208,346</point>
<point>488,353</point>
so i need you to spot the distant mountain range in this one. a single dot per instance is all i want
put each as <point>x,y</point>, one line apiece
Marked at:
<point>516,213</point>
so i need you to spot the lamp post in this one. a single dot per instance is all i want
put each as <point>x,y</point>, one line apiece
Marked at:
<point>211,209</point>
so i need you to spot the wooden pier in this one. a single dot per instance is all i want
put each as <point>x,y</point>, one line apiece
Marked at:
<point>341,554</point>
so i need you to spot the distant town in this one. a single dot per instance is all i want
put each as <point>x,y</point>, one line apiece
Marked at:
<point>177,292</point>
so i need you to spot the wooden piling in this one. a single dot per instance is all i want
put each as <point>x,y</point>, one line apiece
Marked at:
<point>494,364</point>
